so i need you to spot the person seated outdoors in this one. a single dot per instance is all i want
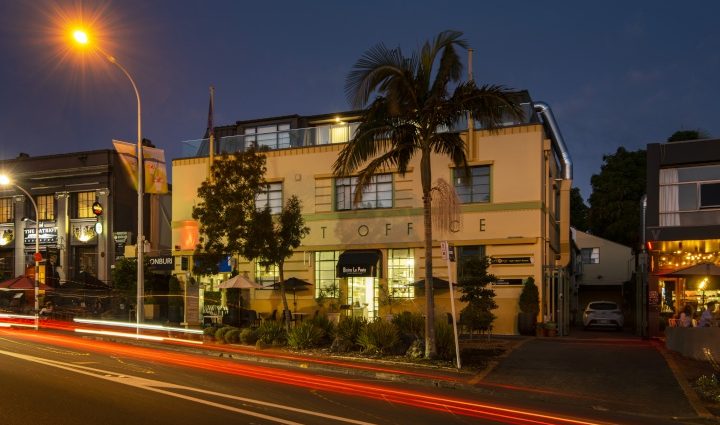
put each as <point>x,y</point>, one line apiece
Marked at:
<point>706,319</point>
<point>47,309</point>
<point>686,317</point>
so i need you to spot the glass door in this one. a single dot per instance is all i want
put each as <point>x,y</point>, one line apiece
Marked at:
<point>363,292</point>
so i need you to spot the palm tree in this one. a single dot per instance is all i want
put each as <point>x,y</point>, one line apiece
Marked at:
<point>412,104</point>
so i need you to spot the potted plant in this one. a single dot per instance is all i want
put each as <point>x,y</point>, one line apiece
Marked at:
<point>334,295</point>
<point>389,298</point>
<point>529,304</point>
<point>550,328</point>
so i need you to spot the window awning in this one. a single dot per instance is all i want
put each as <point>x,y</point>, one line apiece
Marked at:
<point>359,264</point>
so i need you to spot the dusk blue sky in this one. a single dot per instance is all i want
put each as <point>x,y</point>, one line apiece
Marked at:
<point>615,73</point>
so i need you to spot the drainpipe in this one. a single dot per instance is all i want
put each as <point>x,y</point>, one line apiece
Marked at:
<point>543,109</point>
<point>561,289</point>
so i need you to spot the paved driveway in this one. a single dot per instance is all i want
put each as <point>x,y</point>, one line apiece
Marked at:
<point>621,375</point>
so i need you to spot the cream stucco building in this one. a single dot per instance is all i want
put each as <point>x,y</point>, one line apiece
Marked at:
<point>515,210</point>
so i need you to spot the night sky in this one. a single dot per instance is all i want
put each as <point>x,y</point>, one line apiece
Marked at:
<point>615,73</point>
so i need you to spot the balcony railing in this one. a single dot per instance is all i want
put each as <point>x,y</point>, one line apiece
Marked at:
<point>303,137</point>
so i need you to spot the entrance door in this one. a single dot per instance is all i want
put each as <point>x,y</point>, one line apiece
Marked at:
<point>363,296</point>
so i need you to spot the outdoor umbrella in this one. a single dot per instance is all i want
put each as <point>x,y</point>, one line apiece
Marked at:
<point>293,284</point>
<point>438,283</point>
<point>21,283</point>
<point>240,282</point>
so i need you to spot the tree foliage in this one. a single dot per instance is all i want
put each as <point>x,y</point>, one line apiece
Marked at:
<point>226,207</point>
<point>481,300</point>
<point>272,239</point>
<point>579,212</point>
<point>683,135</point>
<point>615,210</point>
<point>413,99</point>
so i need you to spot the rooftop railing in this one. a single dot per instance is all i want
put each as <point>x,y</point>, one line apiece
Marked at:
<point>302,137</point>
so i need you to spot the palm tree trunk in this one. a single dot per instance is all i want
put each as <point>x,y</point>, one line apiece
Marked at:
<point>426,177</point>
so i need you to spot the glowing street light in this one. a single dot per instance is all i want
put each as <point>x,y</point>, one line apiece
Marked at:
<point>5,181</point>
<point>81,37</point>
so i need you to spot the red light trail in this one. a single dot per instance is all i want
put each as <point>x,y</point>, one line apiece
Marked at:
<point>306,380</point>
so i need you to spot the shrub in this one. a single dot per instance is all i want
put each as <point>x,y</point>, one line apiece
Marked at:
<point>444,340</point>
<point>328,326</point>
<point>378,336</point>
<point>249,336</point>
<point>410,323</point>
<point>210,331</point>
<point>709,387</point>
<point>220,333</point>
<point>232,336</point>
<point>305,335</point>
<point>272,333</point>
<point>349,328</point>
<point>347,333</point>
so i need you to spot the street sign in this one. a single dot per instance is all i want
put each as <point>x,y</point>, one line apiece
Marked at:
<point>444,250</point>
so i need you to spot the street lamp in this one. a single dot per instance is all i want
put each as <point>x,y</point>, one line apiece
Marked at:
<point>5,181</point>
<point>82,38</point>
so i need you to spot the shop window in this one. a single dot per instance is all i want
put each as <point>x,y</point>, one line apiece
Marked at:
<point>6,210</point>
<point>378,194</point>
<point>401,273</point>
<point>326,282</point>
<point>475,187</point>
<point>266,276</point>
<point>271,198</point>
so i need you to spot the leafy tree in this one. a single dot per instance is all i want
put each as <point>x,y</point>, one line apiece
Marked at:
<point>226,207</point>
<point>271,240</point>
<point>683,135</point>
<point>481,300</point>
<point>412,102</point>
<point>579,212</point>
<point>124,277</point>
<point>615,201</point>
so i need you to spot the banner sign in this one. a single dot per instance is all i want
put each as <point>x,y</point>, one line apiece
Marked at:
<point>155,172</point>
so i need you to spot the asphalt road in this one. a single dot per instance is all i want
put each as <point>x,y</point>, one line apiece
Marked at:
<point>58,379</point>
<point>63,380</point>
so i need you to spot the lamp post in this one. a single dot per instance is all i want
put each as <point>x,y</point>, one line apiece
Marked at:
<point>81,37</point>
<point>5,181</point>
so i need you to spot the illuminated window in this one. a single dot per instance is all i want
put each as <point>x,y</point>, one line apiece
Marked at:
<point>473,188</point>
<point>590,255</point>
<point>272,198</point>
<point>401,273</point>
<point>46,207</point>
<point>84,203</point>
<point>378,194</point>
<point>6,210</point>
<point>326,281</point>
<point>266,276</point>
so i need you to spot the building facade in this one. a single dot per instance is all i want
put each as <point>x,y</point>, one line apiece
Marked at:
<point>682,228</point>
<point>77,243</point>
<point>514,209</point>
<point>605,268</point>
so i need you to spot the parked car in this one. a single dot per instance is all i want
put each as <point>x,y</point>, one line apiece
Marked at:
<point>603,314</point>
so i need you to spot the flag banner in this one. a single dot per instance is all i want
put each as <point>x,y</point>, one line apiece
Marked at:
<point>128,157</point>
<point>155,171</point>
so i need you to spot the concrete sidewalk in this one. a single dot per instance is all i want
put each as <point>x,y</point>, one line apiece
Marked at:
<point>623,375</point>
